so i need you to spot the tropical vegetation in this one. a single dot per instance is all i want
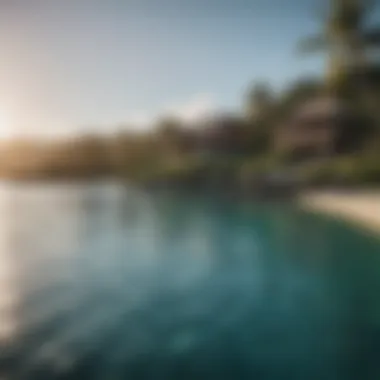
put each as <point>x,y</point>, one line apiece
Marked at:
<point>226,150</point>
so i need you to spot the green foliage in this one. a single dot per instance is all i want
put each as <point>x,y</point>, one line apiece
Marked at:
<point>170,153</point>
<point>346,38</point>
<point>350,170</point>
<point>367,169</point>
<point>257,166</point>
<point>259,101</point>
<point>295,95</point>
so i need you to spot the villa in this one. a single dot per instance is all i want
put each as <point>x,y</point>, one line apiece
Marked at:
<point>314,130</point>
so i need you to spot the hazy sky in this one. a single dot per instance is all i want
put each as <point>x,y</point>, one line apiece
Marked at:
<point>77,65</point>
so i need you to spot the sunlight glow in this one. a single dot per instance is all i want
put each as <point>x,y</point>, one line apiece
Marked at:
<point>5,126</point>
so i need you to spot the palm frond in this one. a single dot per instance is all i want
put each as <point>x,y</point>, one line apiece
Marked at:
<point>372,37</point>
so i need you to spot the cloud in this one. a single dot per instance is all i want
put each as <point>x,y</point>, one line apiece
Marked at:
<point>190,111</point>
<point>198,107</point>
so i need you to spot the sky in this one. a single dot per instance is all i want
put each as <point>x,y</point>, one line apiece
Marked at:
<point>79,66</point>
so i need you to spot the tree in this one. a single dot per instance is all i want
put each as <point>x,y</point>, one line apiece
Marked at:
<point>347,39</point>
<point>260,105</point>
<point>170,134</point>
<point>169,127</point>
<point>298,92</point>
<point>259,100</point>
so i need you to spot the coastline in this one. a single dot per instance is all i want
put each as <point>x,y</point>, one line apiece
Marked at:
<point>358,207</point>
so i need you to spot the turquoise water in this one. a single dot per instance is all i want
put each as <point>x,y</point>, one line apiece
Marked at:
<point>104,282</point>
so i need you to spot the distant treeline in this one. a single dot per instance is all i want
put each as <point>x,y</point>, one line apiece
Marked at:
<point>227,147</point>
<point>323,131</point>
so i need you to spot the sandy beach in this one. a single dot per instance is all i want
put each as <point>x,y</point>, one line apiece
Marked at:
<point>359,207</point>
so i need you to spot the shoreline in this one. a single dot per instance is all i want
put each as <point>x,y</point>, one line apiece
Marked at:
<point>358,207</point>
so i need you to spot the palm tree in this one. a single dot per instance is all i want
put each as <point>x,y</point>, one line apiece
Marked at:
<point>347,39</point>
<point>260,99</point>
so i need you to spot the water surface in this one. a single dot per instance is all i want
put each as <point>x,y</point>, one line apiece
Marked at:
<point>106,282</point>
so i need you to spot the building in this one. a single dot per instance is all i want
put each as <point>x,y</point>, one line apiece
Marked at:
<point>314,130</point>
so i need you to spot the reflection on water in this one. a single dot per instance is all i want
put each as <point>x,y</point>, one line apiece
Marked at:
<point>104,282</point>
